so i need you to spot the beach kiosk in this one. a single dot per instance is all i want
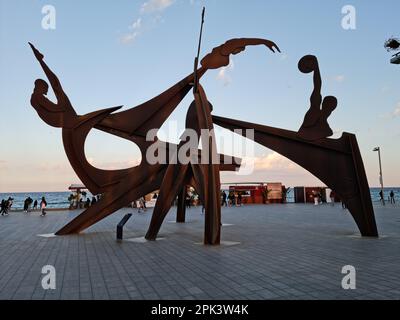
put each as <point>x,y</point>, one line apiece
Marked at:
<point>78,190</point>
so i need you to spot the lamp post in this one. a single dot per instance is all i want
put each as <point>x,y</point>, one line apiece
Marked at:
<point>380,172</point>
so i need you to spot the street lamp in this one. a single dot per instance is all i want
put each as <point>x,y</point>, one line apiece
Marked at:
<point>380,172</point>
<point>393,44</point>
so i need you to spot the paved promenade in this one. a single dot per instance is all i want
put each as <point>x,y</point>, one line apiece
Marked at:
<point>290,251</point>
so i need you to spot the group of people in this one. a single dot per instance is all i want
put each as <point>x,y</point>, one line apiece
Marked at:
<point>391,198</point>
<point>232,199</point>
<point>28,203</point>
<point>76,201</point>
<point>140,204</point>
<point>86,204</point>
<point>6,206</point>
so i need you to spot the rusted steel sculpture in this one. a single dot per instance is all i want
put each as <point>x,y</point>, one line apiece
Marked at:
<point>120,187</point>
<point>336,162</point>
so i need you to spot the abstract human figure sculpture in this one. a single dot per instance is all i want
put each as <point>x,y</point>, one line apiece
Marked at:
<point>315,125</point>
<point>121,187</point>
<point>337,163</point>
<point>219,56</point>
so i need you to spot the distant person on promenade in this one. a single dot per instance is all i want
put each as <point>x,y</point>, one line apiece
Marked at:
<point>332,196</point>
<point>26,205</point>
<point>93,201</point>
<point>71,201</point>
<point>3,207</point>
<point>141,205</point>
<point>43,205</point>
<point>35,205</point>
<point>316,199</point>
<point>9,204</point>
<point>231,198</point>
<point>188,200</point>
<point>392,197</point>
<point>239,199</point>
<point>381,197</point>
<point>30,201</point>
<point>224,199</point>
<point>87,203</point>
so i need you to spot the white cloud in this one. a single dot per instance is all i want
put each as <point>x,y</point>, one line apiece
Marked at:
<point>149,7</point>
<point>396,111</point>
<point>339,78</point>
<point>223,73</point>
<point>137,24</point>
<point>273,161</point>
<point>134,32</point>
<point>155,5</point>
<point>129,37</point>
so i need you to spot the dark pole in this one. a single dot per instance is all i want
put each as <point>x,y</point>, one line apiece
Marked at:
<point>181,207</point>
<point>380,175</point>
<point>380,172</point>
<point>196,60</point>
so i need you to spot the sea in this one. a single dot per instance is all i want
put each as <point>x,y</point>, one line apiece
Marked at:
<point>60,199</point>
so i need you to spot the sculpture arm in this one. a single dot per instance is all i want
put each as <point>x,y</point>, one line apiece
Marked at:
<point>54,82</point>
<point>219,56</point>
<point>235,46</point>
<point>316,97</point>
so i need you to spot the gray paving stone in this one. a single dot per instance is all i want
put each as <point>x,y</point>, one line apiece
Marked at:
<point>287,251</point>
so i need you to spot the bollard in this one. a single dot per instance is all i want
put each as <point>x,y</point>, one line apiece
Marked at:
<point>121,224</point>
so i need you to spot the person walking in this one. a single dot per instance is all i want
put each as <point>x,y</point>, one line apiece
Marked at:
<point>35,205</point>
<point>188,200</point>
<point>30,201</point>
<point>316,199</point>
<point>26,205</point>
<point>93,201</point>
<point>224,199</point>
<point>3,210</point>
<point>392,197</point>
<point>239,199</point>
<point>43,205</point>
<point>141,206</point>
<point>9,204</point>
<point>332,196</point>
<point>382,200</point>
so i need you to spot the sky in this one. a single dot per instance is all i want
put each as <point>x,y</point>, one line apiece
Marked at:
<point>109,53</point>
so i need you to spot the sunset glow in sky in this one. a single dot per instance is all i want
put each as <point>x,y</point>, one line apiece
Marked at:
<point>109,53</point>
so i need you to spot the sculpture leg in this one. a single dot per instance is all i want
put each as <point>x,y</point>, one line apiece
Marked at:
<point>212,226</point>
<point>109,203</point>
<point>172,183</point>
